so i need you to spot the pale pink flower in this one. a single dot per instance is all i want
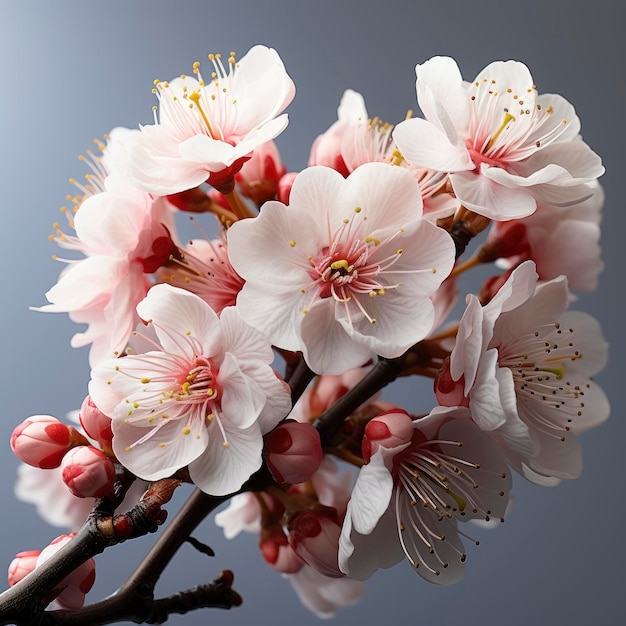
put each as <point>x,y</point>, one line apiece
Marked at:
<point>546,237</point>
<point>326,149</point>
<point>203,396</point>
<point>524,366</point>
<point>206,130</point>
<point>205,269</point>
<point>323,595</point>
<point>344,272</point>
<point>125,235</point>
<point>420,478</point>
<point>504,146</point>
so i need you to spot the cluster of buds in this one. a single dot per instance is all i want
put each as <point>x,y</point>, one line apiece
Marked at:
<point>45,442</point>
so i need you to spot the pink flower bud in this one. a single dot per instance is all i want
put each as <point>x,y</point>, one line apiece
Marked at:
<point>95,423</point>
<point>42,441</point>
<point>449,392</point>
<point>284,186</point>
<point>388,430</point>
<point>23,563</point>
<point>277,552</point>
<point>75,585</point>
<point>293,451</point>
<point>258,178</point>
<point>315,538</point>
<point>88,472</point>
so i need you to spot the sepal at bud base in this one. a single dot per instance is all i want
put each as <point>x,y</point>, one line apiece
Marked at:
<point>76,585</point>
<point>22,565</point>
<point>293,452</point>
<point>42,441</point>
<point>88,472</point>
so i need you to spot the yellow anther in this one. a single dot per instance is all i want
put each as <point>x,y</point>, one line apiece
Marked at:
<point>343,264</point>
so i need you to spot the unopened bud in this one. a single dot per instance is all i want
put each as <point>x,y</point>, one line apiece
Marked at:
<point>75,585</point>
<point>42,441</point>
<point>284,186</point>
<point>449,392</point>
<point>276,550</point>
<point>315,538</point>
<point>293,452</point>
<point>23,563</point>
<point>88,472</point>
<point>388,430</point>
<point>95,423</point>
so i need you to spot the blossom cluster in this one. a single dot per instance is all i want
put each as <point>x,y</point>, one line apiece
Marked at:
<point>352,262</point>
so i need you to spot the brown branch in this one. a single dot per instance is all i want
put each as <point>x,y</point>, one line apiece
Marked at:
<point>24,603</point>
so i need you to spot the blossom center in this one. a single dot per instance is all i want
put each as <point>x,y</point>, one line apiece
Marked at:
<point>539,364</point>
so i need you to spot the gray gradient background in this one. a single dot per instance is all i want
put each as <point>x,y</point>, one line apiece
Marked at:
<point>72,70</point>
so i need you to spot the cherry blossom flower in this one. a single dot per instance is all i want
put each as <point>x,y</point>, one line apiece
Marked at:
<point>504,146</point>
<point>419,479</point>
<point>546,237</point>
<point>524,366</point>
<point>346,270</point>
<point>206,130</point>
<point>203,396</point>
<point>125,235</point>
<point>326,149</point>
<point>205,269</point>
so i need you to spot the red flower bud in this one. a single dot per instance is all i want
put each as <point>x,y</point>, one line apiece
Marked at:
<point>277,552</point>
<point>88,472</point>
<point>23,563</point>
<point>74,586</point>
<point>42,441</point>
<point>388,430</point>
<point>293,452</point>
<point>95,423</point>
<point>449,392</point>
<point>315,538</point>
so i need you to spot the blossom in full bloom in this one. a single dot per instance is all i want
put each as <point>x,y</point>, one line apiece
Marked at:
<point>206,130</point>
<point>203,395</point>
<point>346,270</point>
<point>503,145</point>
<point>523,364</point>
<point>419,479</point>
<point>205,269</point>
<point>125,235</point>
